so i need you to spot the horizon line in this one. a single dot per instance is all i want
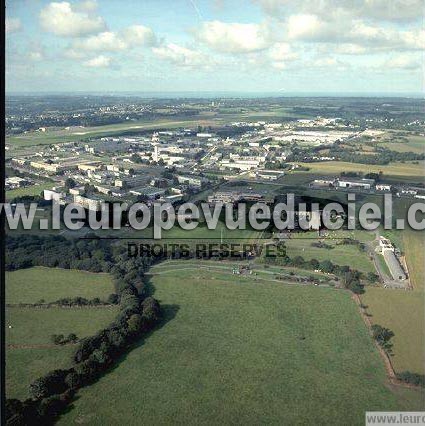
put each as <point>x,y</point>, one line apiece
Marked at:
<point>217,93</point>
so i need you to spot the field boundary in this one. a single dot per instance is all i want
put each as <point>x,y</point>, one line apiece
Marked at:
<point>392,376</point>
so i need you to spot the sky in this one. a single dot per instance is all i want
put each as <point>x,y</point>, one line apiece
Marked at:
<point>264,46</point>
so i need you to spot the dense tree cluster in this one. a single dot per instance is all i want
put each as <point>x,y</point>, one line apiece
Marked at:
<point>60,339</point>
<point>412,378</point>
<point>351,279</point>
<point>94,255</point>
<point>383,336</point>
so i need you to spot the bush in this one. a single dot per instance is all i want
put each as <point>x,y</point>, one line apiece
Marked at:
<point>383,336</point>
<point>412,378</point>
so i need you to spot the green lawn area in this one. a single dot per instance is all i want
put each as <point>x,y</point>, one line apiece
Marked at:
<point>383,265</point>
<point>25,365</point>
<point>238,351</point>
<point>198,235</point>
<point>29,330</point>
<point>301,245</point>
<point>31,285</point>
<point>32,326</point>
<point>28,190</point>
<point>409,143</point>
<point>203,233</point>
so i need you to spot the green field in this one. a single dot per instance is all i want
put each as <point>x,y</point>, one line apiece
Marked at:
<point>200,234</point>
<point>350,255</point>
<point>395,169</point>
<point>32,326</point>
<point>55,136</point>
<point>30,352</point>
<point>234,351</point>
<point>404,142</point>
<point>25,365</point>
<point>403,313</point>
<point>28,190</point>
<point>31,285</point>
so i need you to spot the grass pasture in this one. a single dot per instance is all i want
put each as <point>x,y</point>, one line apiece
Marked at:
<point>24,365</point>
<point>399,170</point>
<point>403,313</point>
<point>32,354</point>
<point>31,285</point>
<point>234,351</point>
<point>301,245</point>
<point>29,350</point>
<point>404,142</point>
<point>35,326</point>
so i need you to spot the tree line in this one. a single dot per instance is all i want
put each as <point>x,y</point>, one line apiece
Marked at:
<point>138,314</point>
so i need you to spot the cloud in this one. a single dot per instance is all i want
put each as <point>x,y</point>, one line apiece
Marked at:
<point>308,28</point>
<point>350,49</point>
<point>282,51</point>
<point>36,56</point>
<point>139,35</point>
<point>71,53</point>
<point>326,62</point>
<point>234,37</point>
<point>279,65</point>
<point>181,56</point>
<point>98,62</point>
<point>108,41</point>
<point>13,25</point>
<point>355,34</point>
<point>380,10</point>
<point>62,20</point>
<point>87,5</point>
<point>402,62</point>
<point>105,41</point>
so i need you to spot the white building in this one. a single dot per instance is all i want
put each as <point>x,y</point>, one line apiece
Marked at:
<point>355,183</point>
<point>383,187</point>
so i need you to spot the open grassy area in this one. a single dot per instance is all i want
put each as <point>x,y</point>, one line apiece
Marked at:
<point>395,169</point>
<point>200,234</point>
<point>31,285</point>
<point>237,351</point>
<point>25,365</point>
<point>55,136</point>
<point>32,326</point>
<point>403,313</point>
<point>301,245</point>
<point>28,190</point>
<point>33,353</point>
<point>404,142</point>
<point>30,352</point>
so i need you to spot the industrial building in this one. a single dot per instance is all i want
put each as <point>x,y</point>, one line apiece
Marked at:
<point>388,251</point>
<point>394,266</point>
<point>356,183</point>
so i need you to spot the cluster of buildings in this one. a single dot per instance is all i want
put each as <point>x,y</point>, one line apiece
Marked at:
<point>363,184</point>
<point>237,196</point>
<point>15,182</point>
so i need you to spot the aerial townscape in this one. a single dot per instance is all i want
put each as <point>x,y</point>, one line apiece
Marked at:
<point>214,213</point>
